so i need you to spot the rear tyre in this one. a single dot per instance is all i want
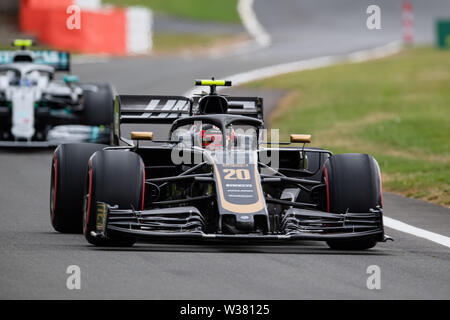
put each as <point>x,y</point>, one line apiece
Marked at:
<point>116,178</point>
<point>69,166</point>
<point>353,184</point>
<point>98,105</point>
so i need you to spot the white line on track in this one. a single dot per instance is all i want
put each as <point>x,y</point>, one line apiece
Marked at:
<point>421,233</point>
<point>309,64</point>
<point>251,23</point>
<point>315,63</point>
<point>260,38</point>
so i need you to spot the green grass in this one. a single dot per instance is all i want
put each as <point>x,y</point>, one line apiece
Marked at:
<point>397,109</point>
<point>204,10</point>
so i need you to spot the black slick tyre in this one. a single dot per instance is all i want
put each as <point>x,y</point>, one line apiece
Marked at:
<point>353,184</point>
<point>116,178</point>
<point>68,169</point>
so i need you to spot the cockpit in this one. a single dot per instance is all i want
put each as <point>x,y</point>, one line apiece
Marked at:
<point>25,75</point>
<point>218,132</point>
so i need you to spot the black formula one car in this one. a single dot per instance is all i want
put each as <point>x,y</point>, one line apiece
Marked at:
<point>215,177</point>
<point>36,110</point>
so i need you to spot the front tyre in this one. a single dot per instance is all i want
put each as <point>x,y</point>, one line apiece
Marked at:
<point>353,184</point>
<point>116,178</point>
<point>68,169</point>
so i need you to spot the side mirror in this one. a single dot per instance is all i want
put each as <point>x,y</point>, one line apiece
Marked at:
<point>70,78</point>
<point>300,138</point>
<point>141,135</point>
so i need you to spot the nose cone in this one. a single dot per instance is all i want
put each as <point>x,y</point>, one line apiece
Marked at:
<point>245,223</point>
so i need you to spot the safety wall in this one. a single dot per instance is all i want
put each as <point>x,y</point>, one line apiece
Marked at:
<point>87,27</point>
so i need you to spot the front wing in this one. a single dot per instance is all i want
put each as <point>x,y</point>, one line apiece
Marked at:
<point>186,223</point>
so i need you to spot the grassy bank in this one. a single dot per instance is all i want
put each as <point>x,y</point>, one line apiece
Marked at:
<point>397,109</point>
<point>203,10</point>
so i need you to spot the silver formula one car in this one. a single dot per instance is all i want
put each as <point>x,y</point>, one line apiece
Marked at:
<point>37,111</point>
<point>214,178</point>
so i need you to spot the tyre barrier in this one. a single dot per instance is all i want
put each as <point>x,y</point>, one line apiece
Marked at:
<point>87,27</point>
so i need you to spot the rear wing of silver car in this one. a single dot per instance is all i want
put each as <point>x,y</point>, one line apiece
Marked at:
<point>60,60</point>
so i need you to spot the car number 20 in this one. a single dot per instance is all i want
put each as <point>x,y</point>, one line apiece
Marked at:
<point>236,174</point>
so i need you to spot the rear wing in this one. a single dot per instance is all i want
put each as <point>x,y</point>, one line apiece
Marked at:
<point>152,109</point>
<point>166,109</point>
<point>149,109</point>
<point>60,60</point>
<point>156,109</point>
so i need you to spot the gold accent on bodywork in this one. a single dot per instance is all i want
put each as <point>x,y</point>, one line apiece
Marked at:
<point>141,135</point>
<point>301,138</point>
<point>241,208</point>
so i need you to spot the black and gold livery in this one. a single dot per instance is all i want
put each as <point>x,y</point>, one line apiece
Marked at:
<point>215,177</point>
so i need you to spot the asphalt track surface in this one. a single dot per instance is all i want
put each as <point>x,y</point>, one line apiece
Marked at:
<point>34,258</point>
